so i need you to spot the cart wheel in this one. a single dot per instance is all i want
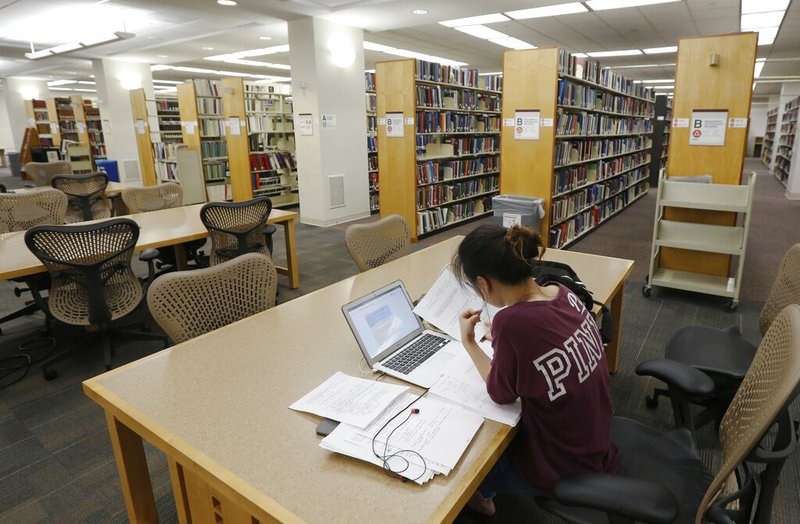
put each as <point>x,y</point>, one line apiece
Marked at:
<point>647,278</point>
<point>732,305</point>
<point>647,291</point>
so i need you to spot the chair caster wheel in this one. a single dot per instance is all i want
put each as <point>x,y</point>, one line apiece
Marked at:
<point>647,291</point>
<point>732,305</point>
<point>49,374</point>
<point>651,402</point>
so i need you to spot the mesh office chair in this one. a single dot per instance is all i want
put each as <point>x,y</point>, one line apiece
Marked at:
<point>661,479</point>
<point>3,189</point>
<point>153,198</point>
<point>722,354</point>
<point>376,243</point>
<point>21,211</point>
<point>43,172</point>
<point>187,304</point>
<point>93,284</point>
<point>237,228</point>
<point>85,192</point>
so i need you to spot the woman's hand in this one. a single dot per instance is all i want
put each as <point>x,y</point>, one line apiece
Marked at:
<point>467,322</point>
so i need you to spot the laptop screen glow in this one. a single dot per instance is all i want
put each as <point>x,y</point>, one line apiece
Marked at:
<point>384,320</point>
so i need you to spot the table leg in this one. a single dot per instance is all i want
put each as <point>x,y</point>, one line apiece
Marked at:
<point>616,321</point>
<point>134,475</point>
<point>291,254</point>
<point>180,257</point>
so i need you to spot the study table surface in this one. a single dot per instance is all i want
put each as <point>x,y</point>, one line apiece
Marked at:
<point>217,405</point>
<point>165,227</point>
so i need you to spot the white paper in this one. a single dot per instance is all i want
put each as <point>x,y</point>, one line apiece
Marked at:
<point>189,127</point>
<point>526,125</point>
<point>547,122</point>
<point>381,121</point>
<point>394,125</point>
<point>508,122</point>
<point>305,122</point>
<point>329,122</point>
<point>737,123</point>
<point>140,126</point>
<point>444,302</point>
<point>81,127</point>
<point>511,219</point>
<point>53,128</point>
<point>462,384</point>
<point>354,401</point>
<point>410,121</point>
<point>680,122</point>
<point>708,128</point>
<point>233,126</point>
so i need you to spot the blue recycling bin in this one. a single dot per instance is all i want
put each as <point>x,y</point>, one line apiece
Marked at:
<point>109,167</point>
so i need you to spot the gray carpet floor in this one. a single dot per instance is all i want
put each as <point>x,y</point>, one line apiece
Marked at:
<point>56,463</point>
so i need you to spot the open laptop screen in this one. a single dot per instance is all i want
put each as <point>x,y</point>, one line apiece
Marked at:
<point>382,319</point>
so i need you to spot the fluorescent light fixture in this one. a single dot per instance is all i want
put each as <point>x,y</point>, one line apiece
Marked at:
<point>480,31</point>
<point>63,82</point>
<point>642,66</point>
<point>761,20</point>
<point>623,52</point>
<point>29,92</point>
<point>255,63</point>
<point>759,67</point>
<point>473,20</point>
<point>767,36</point>
<point>763,6</point>
<point>75,90</point>
<point>207,48</point>
<point>160,67</point>
<point>226,3</point>
<point>660,87</point>
<point>580,55</point>
<point>603,5</point>
<point>372,46</point>
<point>659,81</point>
<point>265,38</point>
<point>658,50</point>
<point>173,82</point>
<point>250,53</point>
<point>419,11</point>
<point>493,73</point>
<point>163,67</point>
<point>72,46</point>
<point>86,83</point>
<point>369,70</point>
<point>39,54</point>
<point>511,42</point>
<point>549,10</point>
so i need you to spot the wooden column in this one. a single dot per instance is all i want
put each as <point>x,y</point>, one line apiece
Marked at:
<point>238,147</point>
<point>699,85</point>
<point>144,144</point>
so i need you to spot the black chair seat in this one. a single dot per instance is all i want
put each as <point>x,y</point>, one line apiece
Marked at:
<point>667,459</point>
<point>716,351</point>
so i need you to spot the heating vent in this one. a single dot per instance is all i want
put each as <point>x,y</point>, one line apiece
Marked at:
<point>336,186</point>
<point>131,171</point>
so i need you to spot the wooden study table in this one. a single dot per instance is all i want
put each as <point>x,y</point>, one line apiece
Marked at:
<point>165,227</point>
<point>217,405</point>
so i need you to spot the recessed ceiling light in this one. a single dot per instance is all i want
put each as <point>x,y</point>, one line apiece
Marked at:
<point>226,3</point>
<point>473,20</point>
<point>623,52</point>
<point>265,38</point>
<point>763,6</point>
<point>761,20</point>
<point>549,10</point>
<point>162,56</point>
<point>512,43</point>
<point>419,11</point>
<point>207,48</point>
<point>657,50</point>
<point>602,5</point>
<point>480,31</point>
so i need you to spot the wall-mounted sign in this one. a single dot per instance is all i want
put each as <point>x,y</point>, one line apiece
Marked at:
<point>394,125</point>
<point>708,128</point>
<point>305,123</point>
<point>526,125</point>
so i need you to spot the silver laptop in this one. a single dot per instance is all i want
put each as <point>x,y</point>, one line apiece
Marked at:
<point>393,339</point>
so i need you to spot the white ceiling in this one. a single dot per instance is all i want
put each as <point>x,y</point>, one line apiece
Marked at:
<point>174,32</point>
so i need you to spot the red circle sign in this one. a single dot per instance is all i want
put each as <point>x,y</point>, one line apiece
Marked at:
<point>696,133</point>
<point>519,130</point>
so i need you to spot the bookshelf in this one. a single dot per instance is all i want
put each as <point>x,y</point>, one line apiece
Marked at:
<point>371,99</point>
<point>202,126</point>
<point>445,167</point>
<point>67,124</point>
<point>145,127</point>
<point>662,124</point>
<point>94,129</point>
<point>592,157</point>
<point>769,137</point>
<point>786,142</point>
<point>39,117</point>
<point>168,139</point>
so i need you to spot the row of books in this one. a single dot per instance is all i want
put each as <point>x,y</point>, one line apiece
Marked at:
<point>372,144</point>
<point>165,151</point>
<point>264,142</point>
<point>590,70</point>
<point>170,125</point>
<point>434,171</point>
<point>372,163</point>
<point>212,127</point>
<point>372,124</point>
<point>209,106</point>
<point>562,208</point>
<point>576,176</point>
<point>437,218</point>
<point>434,72</point>
<point>214,149</point>
<point>40,117</point>
<point>253,88</point>
<point>263,105</point>
<point>588,97</point>
<point>583,123</point>
<point>449,98</point>
<point>166,105</point>
<point>458,145</point>
<point>449,122</point>
<point>492,82</point>
<point>265,123</point>
<point>268,183</point>
<point>374,202</point>
<point>373,182</point>
<point>369,81</point>
<point>219,192</point>
<point>567,151</point>
<point>98,150</point>
<point>215,172</point>
<point>166,171</point>
<point>372,102</point>
<point>262,161</point>
<point>437,195</point>
<point>207,87</point>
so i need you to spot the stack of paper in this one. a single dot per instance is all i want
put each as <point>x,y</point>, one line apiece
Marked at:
<point>419,445</point>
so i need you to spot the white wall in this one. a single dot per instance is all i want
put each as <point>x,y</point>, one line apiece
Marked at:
<point>15,105</point>
<point>6,135</point>
<point>758,124</point>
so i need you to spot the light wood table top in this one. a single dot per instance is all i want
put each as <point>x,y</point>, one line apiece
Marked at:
<point>165,227</point>
<point>218,405</point>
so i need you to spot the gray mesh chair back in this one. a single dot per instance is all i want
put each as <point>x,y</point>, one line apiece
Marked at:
<point>769,386</point>
<point>21,211</point>
<point>90,266</point>
<point>236,228</point>
<point>379,242</point>
<point>187,304</point>
<point>43,172</point>
<point>153,198</point>
<point>86,195</point>
<point>785,290</point>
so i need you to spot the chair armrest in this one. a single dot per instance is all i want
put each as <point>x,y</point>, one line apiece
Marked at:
<point>148,254</point>
<point>617,495</point>
<point>677,374</point>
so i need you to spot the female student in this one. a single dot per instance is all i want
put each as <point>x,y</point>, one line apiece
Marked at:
<point>547,352</point>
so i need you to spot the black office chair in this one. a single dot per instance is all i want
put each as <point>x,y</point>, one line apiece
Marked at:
<point>3,189</point>
<point>93,284</point>
<point>86,195</point>
<point>722,354</point>
<point>236,228</point>
<point>661,479</point>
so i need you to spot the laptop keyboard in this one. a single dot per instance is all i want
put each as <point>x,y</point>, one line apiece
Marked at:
<point>415,354</point>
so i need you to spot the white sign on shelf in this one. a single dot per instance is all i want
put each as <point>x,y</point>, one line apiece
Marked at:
<point>81,127</point>
<point>737,123</point>
<point>53,128</point>
<point>381,121</point>
<point>508,122</point>
<point>680,122</point>
<point>547,122</point>
<point>526,125</point>
<point>394,125</point>
<point>189,126</point>
<point>410,121</point>
<point>708,128</point>
<point>306,124</point>
<point>511,219</point>
<point>233,125</point>
<point>140,126</point>
<point>329,122</point>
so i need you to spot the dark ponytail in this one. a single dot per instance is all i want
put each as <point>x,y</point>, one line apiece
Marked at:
<point>495,252</point>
